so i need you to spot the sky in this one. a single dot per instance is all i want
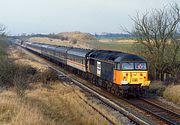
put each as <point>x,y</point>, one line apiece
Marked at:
<point>54,16</point>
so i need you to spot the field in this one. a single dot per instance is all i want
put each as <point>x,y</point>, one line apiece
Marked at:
<point>123,45</point>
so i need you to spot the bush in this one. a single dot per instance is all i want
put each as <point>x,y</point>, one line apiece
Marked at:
<point>46,76</point>
<point>22,78</point>
<point>172,93</point>
<point>157,88</point>
<point>7,71</point>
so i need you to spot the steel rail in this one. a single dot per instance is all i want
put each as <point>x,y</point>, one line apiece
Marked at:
<point>164,114</point>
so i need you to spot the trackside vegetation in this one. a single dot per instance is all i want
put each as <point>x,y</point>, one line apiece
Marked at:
<point>172,93</point>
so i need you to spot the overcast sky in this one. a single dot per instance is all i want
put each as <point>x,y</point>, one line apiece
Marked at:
<point>48,16</point>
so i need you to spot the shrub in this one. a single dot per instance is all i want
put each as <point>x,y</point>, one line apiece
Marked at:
<point>46,76</point>
<point>7,71</point>
<point>172,93</point>
<point>23,76</point>
<point>157,88</point>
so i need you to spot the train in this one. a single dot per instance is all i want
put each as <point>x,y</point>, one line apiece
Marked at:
<point>118,72</point>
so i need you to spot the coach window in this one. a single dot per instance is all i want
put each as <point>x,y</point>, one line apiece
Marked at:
<point>71,57</point>
<point>83,61</point>
<point>80,60</point>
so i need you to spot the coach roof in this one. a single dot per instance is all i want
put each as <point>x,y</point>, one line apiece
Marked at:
<point>79,52</point>
<point>62,49</point>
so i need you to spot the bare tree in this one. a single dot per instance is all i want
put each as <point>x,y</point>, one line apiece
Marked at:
<point>158,32</point>
<point>2,32</point>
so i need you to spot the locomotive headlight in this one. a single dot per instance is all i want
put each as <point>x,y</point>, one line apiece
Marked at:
<point>124,82</point>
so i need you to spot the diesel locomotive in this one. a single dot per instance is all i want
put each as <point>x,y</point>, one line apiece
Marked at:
<point>118,72</point>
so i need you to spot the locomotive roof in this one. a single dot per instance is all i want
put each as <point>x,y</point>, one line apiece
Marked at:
<point>79,52</point>
<point>114,56</point>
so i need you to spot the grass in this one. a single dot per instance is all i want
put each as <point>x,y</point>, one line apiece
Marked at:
<point>14,112</point>
<point>118,46</point>
<point>59,105</point>
<point>172,93</point>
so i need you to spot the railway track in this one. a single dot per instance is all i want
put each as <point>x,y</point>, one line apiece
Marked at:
<point>165,116</point>
<point>104,99</point>
<point>160,112</point>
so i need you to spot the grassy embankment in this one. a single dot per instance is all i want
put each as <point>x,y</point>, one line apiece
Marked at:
<point>41,104</point>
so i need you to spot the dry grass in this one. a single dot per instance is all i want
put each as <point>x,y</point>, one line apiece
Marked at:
<point>125,41</point>
<point>49,41</point>
<point>21,58</point>
<point>118,41</point>
<point>78,35</point>
<point>172,93</point>
<point>14,112</point>
<point>59,105</point>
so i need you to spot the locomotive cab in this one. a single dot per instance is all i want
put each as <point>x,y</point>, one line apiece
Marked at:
<point>131,73</point>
